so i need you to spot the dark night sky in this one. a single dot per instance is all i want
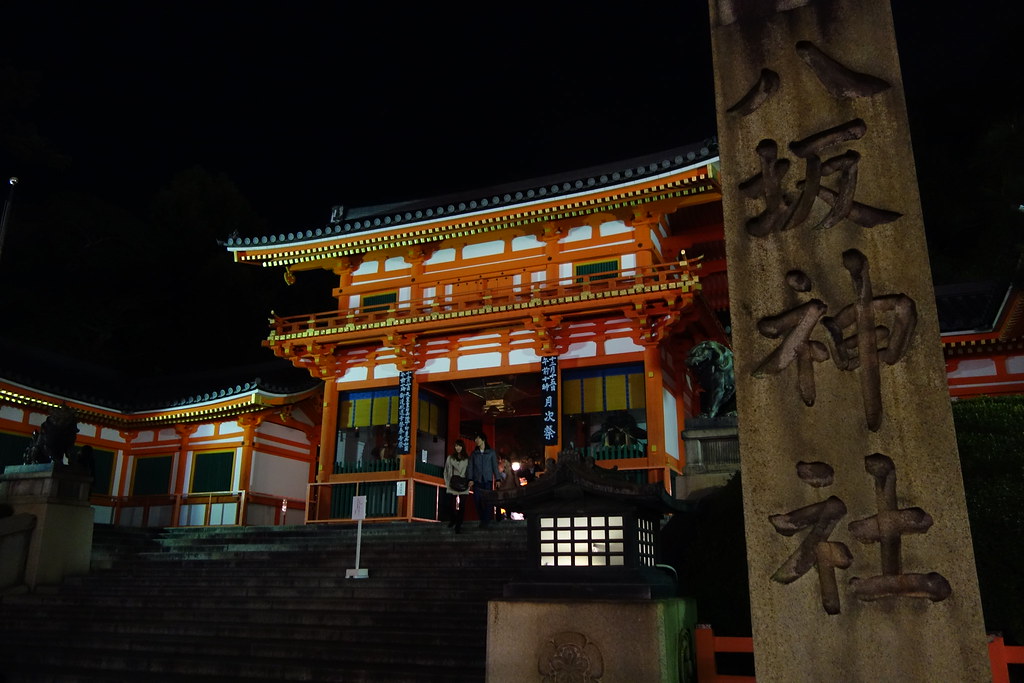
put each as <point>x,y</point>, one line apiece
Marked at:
<point>305,105</point>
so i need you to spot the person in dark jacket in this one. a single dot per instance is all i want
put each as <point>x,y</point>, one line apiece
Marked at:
<point>483,470</point>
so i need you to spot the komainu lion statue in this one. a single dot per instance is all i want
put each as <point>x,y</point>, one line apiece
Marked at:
<point>55,440</point>
<point>712,363</point>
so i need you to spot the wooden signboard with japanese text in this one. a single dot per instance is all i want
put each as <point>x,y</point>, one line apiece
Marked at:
<point>859,550</point>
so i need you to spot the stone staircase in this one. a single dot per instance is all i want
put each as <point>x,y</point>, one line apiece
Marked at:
<point>267,604</point>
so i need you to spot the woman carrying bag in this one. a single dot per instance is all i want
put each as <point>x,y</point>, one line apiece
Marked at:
<point>457,484</point>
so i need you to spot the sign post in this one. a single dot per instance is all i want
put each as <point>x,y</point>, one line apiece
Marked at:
<point>358,514</point>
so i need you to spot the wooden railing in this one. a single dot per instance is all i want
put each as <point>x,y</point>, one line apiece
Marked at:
<point>166,509</point>
<point>707,644</point>
<point>1001,656</point>
<point>493,294</point>
<point>332,501</point>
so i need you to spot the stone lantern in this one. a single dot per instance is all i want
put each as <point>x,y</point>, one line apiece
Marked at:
<point>594,583</point>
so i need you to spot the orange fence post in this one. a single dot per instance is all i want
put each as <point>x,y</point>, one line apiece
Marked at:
<point>704,644</point>
<point>997,659</point>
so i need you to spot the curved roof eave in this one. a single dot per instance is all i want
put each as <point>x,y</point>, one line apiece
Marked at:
<point>464,205</point>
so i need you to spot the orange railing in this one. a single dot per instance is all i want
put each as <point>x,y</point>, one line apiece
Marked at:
<point>1001,656</point>
<point>495,293</point>
<point>707,644</point>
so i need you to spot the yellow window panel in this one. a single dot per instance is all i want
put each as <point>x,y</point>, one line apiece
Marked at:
<point>615,392</point>
<point>571,403</point>
<point>381,411</point>
<point>637,397</point>
<point>362,412</point>
<point>424,419</point>
<point>593,395</point>
<point>393,412</point>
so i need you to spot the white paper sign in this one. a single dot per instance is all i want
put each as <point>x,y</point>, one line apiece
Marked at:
<point>358,507</point>
<point>400,489</point>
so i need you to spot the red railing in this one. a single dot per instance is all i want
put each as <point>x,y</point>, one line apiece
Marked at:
<point>1001,656</point>
<point>495,292</point>
<point>707,644</point>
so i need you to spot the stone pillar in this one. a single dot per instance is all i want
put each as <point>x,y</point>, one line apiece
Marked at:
<point>859,551</point>
<point>58,498</point>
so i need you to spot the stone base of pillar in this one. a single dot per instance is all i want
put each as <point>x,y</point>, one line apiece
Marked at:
<point>608,640</point>
<point>58,498</point>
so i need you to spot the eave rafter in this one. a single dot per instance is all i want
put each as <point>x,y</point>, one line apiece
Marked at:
<point>663,195</point>
<point>131,422</point>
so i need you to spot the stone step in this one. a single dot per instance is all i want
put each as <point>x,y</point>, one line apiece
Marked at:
<point>213,600</point>
<point>146,665</point>
<point>368,615</point>
<point>268,603</point>
<point>326,578</point>
<point>364,627</point>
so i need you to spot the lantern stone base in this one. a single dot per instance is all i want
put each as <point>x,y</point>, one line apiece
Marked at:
<point>602,640</point>
<point>58,498</point>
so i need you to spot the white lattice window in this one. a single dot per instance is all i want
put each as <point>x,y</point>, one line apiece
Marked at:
<point>597,541</point>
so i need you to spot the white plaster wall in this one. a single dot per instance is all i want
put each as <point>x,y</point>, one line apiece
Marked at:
<point>614,228</point>
<point>621,345</point>
<point>204,430</point>
<point>279,476</point>
<point>1015,364</point>
<point>385,370</point>
<point>522,357</point>
<point>492,248</point>
<point>526,242</point>
<point>479,361</point>
<point>354,374</point>
<point>441,256</point>
<point>111,435</point>
<point>578,234</point>
<point>581,350</point>
<point>668,402</point>
<point>368,267</point>
<point>435,365</point>
<point>11,413</point>
<point>231,428</point>
<point>974,367</point>
<point>396,263</point>
<point>282,432</point>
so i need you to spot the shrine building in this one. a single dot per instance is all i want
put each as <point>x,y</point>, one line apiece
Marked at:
<point>547,314</point>
<point>450,309</point>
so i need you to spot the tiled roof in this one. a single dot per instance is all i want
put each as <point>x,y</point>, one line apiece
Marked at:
<point>354,220</point>
<point>81,381</point>
<point>969,307</point>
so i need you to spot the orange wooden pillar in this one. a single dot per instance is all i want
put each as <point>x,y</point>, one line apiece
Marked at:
<point>328,449</point>
<point>653,394</point>
<point>248,423</point>
<point>178,489</point>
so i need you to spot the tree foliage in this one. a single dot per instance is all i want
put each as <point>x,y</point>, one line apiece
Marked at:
<point>990,435</point>
<point>707,547</point>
